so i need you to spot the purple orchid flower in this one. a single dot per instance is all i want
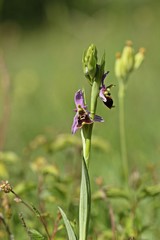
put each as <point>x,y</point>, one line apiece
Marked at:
<point>105,94</point>
<point>82,116</point>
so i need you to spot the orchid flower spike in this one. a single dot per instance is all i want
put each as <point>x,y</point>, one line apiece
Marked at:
<point>82,115</point>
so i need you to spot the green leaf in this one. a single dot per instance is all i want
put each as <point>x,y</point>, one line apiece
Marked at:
<point>149,191</point>
<point>71,234</point>
<point>51,169</point>
<point>24,187</point>
<point>3,171</point>
<point>9,157</point>
<point>113,192</point>
<point>35,235</point>
<point>85,203</point>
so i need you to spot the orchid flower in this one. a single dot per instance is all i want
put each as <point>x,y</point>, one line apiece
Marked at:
<point>105,94</point>
<point>82,115</point>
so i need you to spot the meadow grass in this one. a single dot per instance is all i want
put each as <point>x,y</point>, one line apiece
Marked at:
<point>44,66</point>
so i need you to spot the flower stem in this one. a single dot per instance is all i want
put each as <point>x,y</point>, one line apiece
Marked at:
<point>10,235</point>
<point>85,192</point>
<point>87,129</point>
<point>121,95</point>
<point>35,211</point>
<point>86,134</point>
<point>94,96</point>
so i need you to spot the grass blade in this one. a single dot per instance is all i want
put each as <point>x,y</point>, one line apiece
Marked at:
<point>71,234</point>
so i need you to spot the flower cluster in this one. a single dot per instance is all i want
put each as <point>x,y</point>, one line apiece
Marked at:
<point>96,75</point>
<point>128,61</point>
<point>82,115</point>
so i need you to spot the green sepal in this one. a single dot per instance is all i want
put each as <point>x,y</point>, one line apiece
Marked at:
<point>70,232</point>
<point>85,203</point>
<point>100,70</point>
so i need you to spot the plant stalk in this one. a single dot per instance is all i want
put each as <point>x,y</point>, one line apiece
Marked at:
<point>34,210</point>
<point>86,135</point>
<point>121,96</point>
<point>8,231</point>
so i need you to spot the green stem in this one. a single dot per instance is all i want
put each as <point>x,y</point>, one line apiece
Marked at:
<point>121,96</point>
<point>85,194</point>
<point>33,210</point>
<point>94,96</point>
<point>86,134</point>
<point>85,198</point>
<point>8,231</point>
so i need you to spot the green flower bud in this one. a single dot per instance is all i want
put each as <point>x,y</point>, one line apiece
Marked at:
<point>128,57</point>
<point>139,58</point>
<point>89,62</point>
<point>120,70</point>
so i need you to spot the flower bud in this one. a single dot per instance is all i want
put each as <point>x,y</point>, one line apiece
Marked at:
<point>139,58</point>
<point>89,62</point>
<point>128,57</point>
<point>120,70</point>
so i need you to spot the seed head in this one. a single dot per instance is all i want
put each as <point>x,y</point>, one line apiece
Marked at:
<point>5,187</point>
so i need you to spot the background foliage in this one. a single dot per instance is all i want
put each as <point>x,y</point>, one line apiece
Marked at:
<point>41,46</point>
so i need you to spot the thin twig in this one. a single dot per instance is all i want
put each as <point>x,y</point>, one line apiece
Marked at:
<point>111,214</point>
<point>35,211</point>
<point>21,200</point>
<point>24,225</point>
<point>10,235</point>
<point>40,189</point>
<point>56,226</point>
<point>41,202</point>
<point>42,221</point>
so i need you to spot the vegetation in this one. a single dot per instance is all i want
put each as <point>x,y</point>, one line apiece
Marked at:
<point>40,160</point>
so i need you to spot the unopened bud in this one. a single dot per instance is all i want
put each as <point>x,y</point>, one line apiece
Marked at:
<point>139,58</point>
<point>120,70</point>
<point>128,57</point>
<point>89,62</point>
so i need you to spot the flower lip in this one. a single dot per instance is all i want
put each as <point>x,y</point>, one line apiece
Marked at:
<point>82,115</point>
<point>109,102</point>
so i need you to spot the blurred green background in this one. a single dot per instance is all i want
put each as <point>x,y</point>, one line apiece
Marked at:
<point>42,44</point>
<point>41,47</point>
